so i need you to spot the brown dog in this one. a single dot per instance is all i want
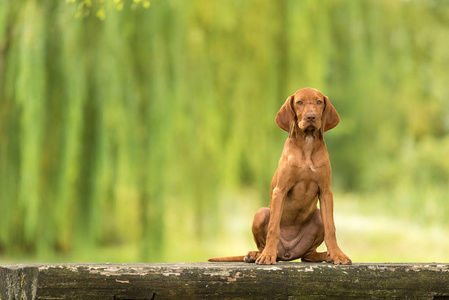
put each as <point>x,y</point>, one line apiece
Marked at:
<point>293,226</point>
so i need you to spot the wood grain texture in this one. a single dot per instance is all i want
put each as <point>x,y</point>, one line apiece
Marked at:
<point>223,281</point>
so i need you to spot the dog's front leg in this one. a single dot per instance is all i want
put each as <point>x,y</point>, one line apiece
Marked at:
<point>327,215</point>
<point>269,254</point>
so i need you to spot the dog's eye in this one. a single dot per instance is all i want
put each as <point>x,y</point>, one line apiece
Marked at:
<point>319,102</point>
<point>299,102</point>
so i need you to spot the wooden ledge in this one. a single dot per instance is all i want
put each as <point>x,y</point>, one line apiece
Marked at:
<point>223,281</point>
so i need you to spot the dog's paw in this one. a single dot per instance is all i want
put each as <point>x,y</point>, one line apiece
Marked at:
<point>339,258</point>
<point>266,258</point>
<point>251,256</point>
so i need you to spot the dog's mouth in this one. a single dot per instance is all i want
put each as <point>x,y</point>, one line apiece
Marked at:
<point>310,126</point>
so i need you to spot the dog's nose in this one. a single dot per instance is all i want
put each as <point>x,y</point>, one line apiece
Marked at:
<point>311,117</point>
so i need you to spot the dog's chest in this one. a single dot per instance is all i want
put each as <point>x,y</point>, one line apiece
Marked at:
<point>302,196</point>
<point>305,166</point>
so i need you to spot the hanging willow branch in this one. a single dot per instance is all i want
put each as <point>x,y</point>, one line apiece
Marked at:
<point>99,7</point>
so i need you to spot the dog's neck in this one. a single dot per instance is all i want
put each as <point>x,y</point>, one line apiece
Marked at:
<point>308,141</point>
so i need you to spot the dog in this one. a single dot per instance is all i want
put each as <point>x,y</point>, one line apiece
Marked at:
<point>293,226</point>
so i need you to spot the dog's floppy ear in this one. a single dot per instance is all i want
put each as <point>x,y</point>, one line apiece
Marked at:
<point>285,116</point>
<point>330,117</point>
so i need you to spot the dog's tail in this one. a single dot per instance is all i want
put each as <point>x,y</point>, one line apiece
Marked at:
<point>228,259</point>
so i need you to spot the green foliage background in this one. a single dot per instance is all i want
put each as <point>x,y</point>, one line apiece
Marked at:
<point>150,135</point>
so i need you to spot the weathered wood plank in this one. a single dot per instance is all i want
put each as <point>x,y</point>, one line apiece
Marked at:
<point>18,282</point>
<point>223,281</point>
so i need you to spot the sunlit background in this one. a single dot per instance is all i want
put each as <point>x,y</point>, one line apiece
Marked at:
<point>143,131</point>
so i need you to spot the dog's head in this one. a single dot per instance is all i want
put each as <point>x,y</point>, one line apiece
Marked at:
<point>309,110</point>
